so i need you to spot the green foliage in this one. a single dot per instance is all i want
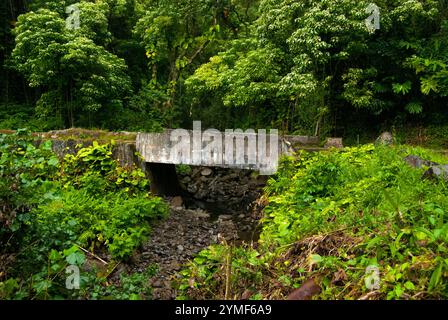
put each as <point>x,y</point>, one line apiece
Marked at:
<point>113,220</point>
<point>338,212</point>
<point>47,283</point>
<point>77,74</point>
<point>94,168</point>
<point>50,282</point>
<point>431,64</point>
<point>16,116</point>
<point>180,35</point>
<point>183,169</point>
<point>132,287</point>
<point>51,207</point>
<point>308,56</point>
<point>306,67</point>
<point>206,273</point>
<point>24,171</point>
<point>432,136</point>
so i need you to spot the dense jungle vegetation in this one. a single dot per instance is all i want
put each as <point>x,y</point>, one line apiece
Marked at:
<point>330,216</point>
<point>299,66</point>
<point>307,67</point>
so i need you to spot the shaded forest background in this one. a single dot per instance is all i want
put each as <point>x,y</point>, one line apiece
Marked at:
<point>304,67</point>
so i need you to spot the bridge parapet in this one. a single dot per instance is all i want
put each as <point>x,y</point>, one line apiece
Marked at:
<point>232,149</point>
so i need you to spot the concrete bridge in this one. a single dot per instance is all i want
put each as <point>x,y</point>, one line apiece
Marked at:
<point>230,149</point>
<point>162,151</point>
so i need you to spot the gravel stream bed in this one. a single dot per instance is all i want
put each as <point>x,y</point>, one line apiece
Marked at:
<point>183,234</point>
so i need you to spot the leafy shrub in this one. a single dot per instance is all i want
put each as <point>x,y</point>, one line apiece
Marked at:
<point>50,208</point>
<point>16,116</point>
<point>48,281</point>
<point>333,214</point>
<point>92,164</point>
<point>115,220</point>
<point>183,169</point>
<point>24,177</point>
<point>131,287</point>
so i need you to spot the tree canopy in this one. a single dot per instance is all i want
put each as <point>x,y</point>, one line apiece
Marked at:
<point>310,67</point>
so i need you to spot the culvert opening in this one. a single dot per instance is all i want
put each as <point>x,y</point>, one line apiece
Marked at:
<point>226,196</point>
<point>164,180</point>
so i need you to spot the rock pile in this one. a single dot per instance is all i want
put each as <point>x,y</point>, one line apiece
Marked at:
<point>176,240</point>
<point>228,190</point>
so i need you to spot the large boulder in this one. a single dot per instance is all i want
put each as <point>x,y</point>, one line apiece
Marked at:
<point>417,162</point>
<point>334,143</point>
<point>386,138</point>
<point>434,170</point>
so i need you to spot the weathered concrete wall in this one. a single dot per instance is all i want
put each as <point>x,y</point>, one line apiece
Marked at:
<point>70,141</point>
<point>248,150</point>
<point>302,141</point>
<point>251,150</point>
<point>124,152</point>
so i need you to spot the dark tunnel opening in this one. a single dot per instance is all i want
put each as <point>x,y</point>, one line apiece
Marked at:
<point>164,180</point>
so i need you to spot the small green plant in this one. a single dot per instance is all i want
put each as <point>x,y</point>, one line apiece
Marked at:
<point>131,287</point>
<point>183,169</point>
